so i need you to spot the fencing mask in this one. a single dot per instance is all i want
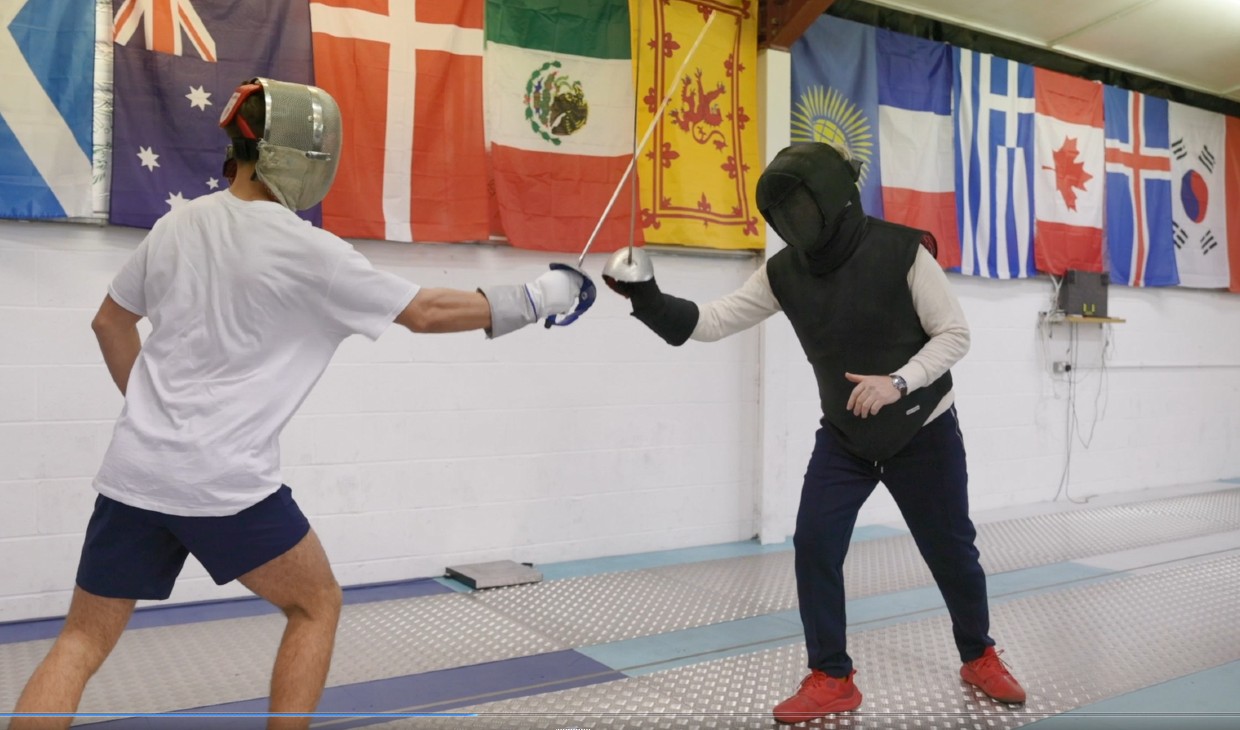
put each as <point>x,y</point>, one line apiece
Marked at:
<point>806,193</point>
<point>296,147</point>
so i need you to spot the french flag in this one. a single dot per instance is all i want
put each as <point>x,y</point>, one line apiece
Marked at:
<point>915,136</point>
<point>888,97</point>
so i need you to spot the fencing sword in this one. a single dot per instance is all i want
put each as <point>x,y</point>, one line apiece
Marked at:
<point>633,200</point>
<point>658,115</point>
<point>641,263</point>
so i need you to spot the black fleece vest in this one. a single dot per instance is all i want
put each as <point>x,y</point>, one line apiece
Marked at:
<point>859,318</point>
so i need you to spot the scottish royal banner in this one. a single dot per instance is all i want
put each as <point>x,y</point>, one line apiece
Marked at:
<point>698,173</point>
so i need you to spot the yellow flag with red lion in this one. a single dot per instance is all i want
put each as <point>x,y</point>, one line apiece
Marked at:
<point>698,171</point>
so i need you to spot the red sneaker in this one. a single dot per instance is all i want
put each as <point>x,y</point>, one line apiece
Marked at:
<point>819,695</point>
<point>989,674</point>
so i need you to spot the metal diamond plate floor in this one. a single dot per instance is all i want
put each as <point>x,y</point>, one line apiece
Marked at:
<point>1069,648</point>
<point>1072,645</point>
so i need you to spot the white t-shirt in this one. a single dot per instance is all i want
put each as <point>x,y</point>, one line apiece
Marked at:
<point>247,304</point>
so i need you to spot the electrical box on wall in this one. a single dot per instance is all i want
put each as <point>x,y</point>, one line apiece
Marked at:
<point>1084,293</point>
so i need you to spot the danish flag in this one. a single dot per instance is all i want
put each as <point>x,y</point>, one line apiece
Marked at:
<point>165,23</point>
<point>407,75</point>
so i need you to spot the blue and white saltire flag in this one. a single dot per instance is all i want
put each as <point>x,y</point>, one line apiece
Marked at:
<point>47,67</point>
<point>994,118</point>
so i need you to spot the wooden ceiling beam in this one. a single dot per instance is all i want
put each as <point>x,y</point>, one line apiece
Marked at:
<point>782,22</point>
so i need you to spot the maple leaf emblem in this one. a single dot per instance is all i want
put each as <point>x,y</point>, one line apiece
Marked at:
<point>1070,174</point>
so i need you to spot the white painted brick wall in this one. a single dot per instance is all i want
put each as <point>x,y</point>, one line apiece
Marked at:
<point>418,452</point>
<point>1169,412</point>
<point>415,452</point>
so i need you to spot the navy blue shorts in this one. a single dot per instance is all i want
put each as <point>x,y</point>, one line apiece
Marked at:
<point>137,553</point>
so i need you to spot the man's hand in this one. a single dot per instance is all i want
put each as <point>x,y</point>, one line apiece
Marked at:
<point>642,294</point>
<point>630,273</point>
<point>871,394</point>
<point>555,292</point>
<point>513,306</point>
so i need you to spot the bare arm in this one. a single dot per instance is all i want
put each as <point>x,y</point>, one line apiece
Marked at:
<point>116,329</point>
<point>497,310</point>
<point>446,310</point>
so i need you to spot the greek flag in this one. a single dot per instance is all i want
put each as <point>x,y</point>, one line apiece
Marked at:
<point>994,116</point>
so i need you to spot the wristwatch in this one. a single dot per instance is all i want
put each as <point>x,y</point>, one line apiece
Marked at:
<point>900,384</point>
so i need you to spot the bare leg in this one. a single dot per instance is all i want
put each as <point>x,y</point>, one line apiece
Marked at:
<point>91,630</point>
<point>300,583</point>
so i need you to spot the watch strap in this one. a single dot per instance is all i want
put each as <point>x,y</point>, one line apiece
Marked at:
<point>900,384</point>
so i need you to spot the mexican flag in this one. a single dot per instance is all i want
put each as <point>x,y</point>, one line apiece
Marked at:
<point>559,109</point>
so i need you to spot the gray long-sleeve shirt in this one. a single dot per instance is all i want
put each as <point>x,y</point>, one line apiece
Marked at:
<point>937,308</point>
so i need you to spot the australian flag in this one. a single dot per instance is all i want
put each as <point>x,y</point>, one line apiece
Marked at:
<point>177,63</point>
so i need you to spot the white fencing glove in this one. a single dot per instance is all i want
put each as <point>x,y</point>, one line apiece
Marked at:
<point>558,291</point>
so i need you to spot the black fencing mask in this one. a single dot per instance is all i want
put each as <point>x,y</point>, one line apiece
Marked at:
<point>809,195</point>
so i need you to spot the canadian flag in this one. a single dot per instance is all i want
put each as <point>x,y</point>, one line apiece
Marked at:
<point>407,75</point>
<point>1070,145</point>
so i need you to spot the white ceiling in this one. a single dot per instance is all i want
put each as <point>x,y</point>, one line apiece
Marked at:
<point>1190,43</point>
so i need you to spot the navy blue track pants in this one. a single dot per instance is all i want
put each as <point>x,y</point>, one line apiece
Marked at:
<point>929,481</point>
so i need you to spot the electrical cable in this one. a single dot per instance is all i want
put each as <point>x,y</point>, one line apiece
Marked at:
<point>1102,383</point>
<point>1072,420</point>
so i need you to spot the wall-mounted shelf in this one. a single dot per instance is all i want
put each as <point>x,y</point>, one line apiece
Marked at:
<point>1054,317</point>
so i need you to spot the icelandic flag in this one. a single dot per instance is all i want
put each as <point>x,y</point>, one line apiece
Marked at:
<point>47,62</point>
<point>835,96</point>
<point>994,110</point>
<point>915,137</point>
<point>1139,242</point>
<point>172,79</point>
<point>1199,212</point>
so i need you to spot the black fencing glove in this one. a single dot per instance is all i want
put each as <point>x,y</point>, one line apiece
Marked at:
<point>630,273</point>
